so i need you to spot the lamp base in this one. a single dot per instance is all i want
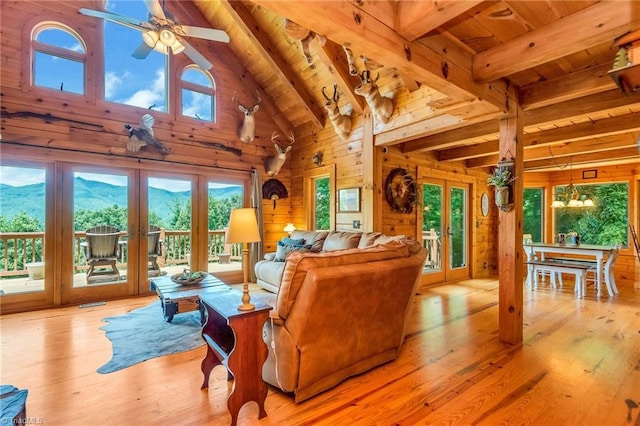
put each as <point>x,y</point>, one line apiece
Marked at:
<point>246,306</point>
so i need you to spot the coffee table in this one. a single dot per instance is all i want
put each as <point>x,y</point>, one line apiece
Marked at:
<point>177,298</point>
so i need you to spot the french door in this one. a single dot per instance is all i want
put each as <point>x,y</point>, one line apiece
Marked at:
<point>445,219</point>
<point>130,203</point>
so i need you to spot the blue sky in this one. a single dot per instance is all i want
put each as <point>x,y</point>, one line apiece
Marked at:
<point>137,82</point>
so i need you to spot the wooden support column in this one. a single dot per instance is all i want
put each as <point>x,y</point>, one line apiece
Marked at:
<point>510,253</point>
<point>370,174</point>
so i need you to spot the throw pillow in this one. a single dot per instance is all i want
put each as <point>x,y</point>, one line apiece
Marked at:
<point>283,250</point>
<point>293,241</point>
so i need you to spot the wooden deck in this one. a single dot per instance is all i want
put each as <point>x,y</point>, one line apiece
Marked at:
<point>578,365</point>
<point>24,284</point>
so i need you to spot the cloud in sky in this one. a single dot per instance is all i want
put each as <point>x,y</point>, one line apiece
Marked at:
<point>150,95</point>
<point>199,106</point>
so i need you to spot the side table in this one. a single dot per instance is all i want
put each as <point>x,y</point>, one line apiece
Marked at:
<point>234,339</point>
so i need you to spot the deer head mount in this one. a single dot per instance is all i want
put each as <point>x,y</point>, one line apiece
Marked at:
<point>273,164</point>
<point>381,107</point>
<point>341,122</point>
<point>247,130</point>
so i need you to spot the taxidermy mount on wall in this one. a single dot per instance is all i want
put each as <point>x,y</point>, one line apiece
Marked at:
<point>247,131</point>
<point>143,135</point>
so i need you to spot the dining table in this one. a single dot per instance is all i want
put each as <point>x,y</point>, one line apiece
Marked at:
<point>589,250</point>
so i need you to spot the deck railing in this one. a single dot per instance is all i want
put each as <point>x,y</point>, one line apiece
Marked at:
<point>17,249</point>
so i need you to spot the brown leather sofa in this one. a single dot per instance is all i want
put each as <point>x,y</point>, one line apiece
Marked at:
<point>340,313</point>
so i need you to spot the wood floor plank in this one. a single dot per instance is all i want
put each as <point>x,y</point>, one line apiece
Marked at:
<point>579,362</point>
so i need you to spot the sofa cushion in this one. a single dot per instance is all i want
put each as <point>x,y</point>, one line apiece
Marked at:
<point>368,239</point>
<point>314,238</point>
<point>298,264</point>
<point>341,240</point>
<point>269,271</point>
<point>283,250</point>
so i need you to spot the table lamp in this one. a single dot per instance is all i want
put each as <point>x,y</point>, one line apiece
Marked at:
<point>289,229</point>
<point>243,228</point>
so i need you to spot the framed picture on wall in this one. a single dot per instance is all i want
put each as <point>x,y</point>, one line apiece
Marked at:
<point>349,200</point>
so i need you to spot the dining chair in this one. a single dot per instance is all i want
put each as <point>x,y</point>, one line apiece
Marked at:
<point>607,265</point>
<point>543,273</point>
<point>102,250</point>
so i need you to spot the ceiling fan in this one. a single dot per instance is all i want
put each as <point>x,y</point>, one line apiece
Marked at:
<point>161,32</point>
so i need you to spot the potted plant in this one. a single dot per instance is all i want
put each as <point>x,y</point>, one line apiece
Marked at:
<point>501,179</point>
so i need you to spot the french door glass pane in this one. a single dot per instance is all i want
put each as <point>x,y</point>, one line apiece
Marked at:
<point>100,222</point>
<point>432,225</point>
<point>169,209</point>
<point>22,225</point>
<point>223,198</point>
<point>457,248</point>
<point>322,210</point>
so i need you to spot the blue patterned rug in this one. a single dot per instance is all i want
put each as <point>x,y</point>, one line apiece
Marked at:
<point>143,334</point>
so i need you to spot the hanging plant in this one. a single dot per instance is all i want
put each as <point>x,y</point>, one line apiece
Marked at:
<point>501,179</point>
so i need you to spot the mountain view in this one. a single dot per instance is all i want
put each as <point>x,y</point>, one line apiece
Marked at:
<point>93,195</point>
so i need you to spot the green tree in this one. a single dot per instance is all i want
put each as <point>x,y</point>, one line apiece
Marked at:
<point>115,215</point>
<point>605,224</point>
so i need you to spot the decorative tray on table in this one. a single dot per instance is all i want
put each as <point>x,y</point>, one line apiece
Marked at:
<point>189,278</point>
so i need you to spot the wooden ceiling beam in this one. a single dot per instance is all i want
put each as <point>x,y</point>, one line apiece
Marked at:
<point>575,85</point>
<point>597,24</point>
<point>334,58</point>
<point>342,21</point>
<point>630,154</point>
<point>589,130</point>
<point>417,18</point>
<point>269,53</point>
<point>459,135</point>
<point>601,144</point>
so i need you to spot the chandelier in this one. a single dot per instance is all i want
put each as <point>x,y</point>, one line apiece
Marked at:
<point>570,196</point>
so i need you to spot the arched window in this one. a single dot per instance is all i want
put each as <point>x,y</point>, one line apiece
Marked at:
<point>59,58</point>
<point>197,94</point>
<point>127,80</point>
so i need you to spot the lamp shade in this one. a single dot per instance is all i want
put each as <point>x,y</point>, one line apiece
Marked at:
<point>289,228</point>
<point>243,226</point>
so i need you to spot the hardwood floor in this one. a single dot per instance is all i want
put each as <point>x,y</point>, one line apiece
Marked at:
<point>579,363</point>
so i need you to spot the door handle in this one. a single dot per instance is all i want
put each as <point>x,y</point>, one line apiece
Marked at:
<point>132,233</point>
<point>449,233</point>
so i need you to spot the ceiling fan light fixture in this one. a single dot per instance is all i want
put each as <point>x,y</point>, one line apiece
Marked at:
<point>150,38</point>
<point>177,47</point>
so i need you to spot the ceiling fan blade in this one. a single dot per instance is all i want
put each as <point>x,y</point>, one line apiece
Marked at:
<point>206,33</point>
<point>155,9</point>
<point>142,51</point>
<point>115,18</point>
<point>195,56</point>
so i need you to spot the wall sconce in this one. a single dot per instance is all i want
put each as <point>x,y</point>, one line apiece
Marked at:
<point>289,229</point>
<point>317,158</point>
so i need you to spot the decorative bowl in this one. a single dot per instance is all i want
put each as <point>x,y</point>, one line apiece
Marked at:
<point>189,278</point>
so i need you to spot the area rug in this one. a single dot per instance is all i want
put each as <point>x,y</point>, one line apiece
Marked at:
<point>143,334</point>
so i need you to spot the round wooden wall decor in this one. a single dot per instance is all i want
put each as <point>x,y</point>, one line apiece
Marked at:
<point>400,190</point>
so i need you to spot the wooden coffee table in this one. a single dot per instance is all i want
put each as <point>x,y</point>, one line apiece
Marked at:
<point>176,298</point>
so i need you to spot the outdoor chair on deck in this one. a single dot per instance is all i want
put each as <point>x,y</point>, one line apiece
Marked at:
<point>102,250</point>
<point>154,250</point>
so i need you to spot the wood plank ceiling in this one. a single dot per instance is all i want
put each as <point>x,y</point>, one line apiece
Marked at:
<point>449,65</point>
